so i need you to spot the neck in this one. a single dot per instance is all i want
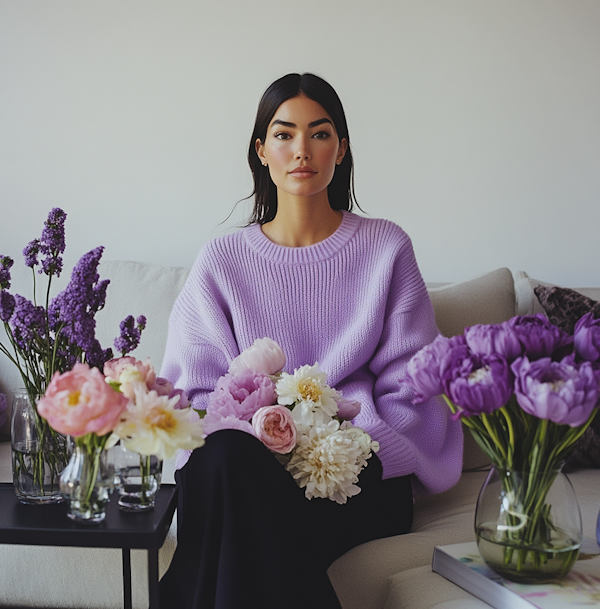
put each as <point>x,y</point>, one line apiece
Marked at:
<point>301,222</point>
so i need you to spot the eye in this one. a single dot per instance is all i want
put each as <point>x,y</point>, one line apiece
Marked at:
<point>282,135</point>
<point>321,135</point>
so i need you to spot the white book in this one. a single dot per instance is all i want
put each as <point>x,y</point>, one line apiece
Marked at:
<point>462,565</point>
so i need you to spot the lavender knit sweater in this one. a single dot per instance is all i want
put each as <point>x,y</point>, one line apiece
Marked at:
<point>355,303</point>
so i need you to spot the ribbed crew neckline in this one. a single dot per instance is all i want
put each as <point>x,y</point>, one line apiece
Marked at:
<point>261,244</point>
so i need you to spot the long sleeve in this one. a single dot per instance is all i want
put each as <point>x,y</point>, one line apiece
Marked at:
<point>355,303</point>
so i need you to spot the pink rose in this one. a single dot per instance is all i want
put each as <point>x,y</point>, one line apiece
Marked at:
<point>347,409</point>
<point>241,394</point>
<point>275,428</point>
<point>265,356</point>
<point>80,401</point>
<point>128,371</point>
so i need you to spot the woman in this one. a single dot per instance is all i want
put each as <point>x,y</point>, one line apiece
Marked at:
<point>329,287</point>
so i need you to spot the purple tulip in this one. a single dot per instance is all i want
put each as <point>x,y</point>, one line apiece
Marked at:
<point>494,338</point>
<point>479,384</point>
<point>587,338</point>
<point>563,392</point>
<point>424,370</point>
<point>538,336</point>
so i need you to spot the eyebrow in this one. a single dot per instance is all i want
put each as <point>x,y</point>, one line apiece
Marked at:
<point>310,125</point>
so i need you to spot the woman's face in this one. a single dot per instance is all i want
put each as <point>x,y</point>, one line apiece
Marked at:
<point>301,148</point>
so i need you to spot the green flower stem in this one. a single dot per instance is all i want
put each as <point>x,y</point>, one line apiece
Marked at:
<point>145,475</point>
<point>93,446</point>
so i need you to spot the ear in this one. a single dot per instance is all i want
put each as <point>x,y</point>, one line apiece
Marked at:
<point>341,151</point>
<point>260,151</point>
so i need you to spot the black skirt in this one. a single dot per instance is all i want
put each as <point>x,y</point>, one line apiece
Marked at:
<point>248,538</point>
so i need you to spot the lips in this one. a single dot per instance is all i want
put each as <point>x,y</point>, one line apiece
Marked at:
<point>304,171</point>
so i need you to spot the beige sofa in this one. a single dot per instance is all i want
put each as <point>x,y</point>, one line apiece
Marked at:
<point>384,574</point>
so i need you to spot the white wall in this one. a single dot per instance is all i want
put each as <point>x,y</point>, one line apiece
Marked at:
<point>475,123</point>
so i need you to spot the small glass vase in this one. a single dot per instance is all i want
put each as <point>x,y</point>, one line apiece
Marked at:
<point>528,525</point>
<point>39,454</point>
<point>138,479</point>
<point>86,483</point>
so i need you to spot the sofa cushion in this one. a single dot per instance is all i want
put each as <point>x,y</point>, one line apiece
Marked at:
<point>485,299</point>
<point>564,306</point>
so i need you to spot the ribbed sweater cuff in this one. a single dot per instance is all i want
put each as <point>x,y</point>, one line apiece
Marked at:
<point>396,455</point>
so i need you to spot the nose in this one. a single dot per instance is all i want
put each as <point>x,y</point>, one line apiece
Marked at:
<point>303,151</point>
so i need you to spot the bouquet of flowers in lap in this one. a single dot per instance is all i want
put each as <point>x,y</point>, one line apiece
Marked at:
<point>298,416</point>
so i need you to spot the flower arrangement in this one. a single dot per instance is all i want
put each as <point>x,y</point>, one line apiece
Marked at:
<point>127,402</point>
<point>297,416</point>
<point>527,391</point>
<point>56,335</point>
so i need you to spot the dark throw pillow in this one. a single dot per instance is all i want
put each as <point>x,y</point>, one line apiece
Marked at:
<point>564,307</point>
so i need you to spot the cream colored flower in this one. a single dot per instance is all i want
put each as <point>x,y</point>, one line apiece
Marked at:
<point>367,445</point>
<point>327,461</point>
<point>153,426</point>
<point>307,388</point>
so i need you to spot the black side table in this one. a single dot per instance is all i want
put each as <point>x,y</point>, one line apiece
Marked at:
<point>48,525</point>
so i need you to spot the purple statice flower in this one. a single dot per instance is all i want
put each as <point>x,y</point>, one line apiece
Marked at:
<point>424,370</point>
<point>31,253</point>
<point>3,406</point>
<point>7,305</point>
<point>539,337</point>
<point>53,234</point>
<point>5,263</point>
<point>478,384</point>
<point>241,394</point>
<point>74,308</point>
<point>27,322</point>
<point>587,338</point>
<point>131,332</point>
<point>494,338</point>
<point>52,242</point>
<point>563,392</point>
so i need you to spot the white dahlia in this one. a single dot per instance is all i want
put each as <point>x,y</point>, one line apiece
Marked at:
<point>315,402</point>
<point>327,461</point>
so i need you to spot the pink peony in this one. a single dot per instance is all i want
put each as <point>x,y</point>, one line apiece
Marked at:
<point>347,409</point>
<point>80,401</point>
<point>275,428</point>
<point>128,371</point>
<point>241,394</point>
<point>264,356</point>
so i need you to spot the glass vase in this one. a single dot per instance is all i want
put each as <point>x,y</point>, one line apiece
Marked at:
<point>137,478</point>
<point>528,525</point>
<point>39,454</point>
<point>86,483</point>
